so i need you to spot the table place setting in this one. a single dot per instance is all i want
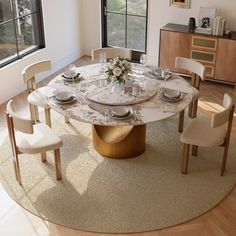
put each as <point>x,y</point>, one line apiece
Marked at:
<point>160,73</point>
<point>170,95</point>
<point>63,99</point>
<point>120,112</point>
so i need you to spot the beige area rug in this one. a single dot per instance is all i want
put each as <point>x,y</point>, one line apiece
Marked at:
<point>119,196</point>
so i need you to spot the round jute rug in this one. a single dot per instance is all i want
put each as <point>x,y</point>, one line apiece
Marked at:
<point>119,196</point>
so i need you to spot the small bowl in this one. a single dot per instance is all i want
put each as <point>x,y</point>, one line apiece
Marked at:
<point>120,111</point>
<point>70,75</point>
<point>171,93</point>
<point>63,96</point>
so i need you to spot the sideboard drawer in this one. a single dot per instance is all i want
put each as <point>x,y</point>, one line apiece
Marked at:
<point>205,43</point>
<point>208,57</point>
<point>209,71</point>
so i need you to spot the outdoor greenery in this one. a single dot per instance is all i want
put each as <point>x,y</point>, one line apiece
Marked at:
<point>136,23</point>
<point>17,32</point>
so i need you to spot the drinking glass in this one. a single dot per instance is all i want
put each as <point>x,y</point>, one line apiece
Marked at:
<point>82,89</point>
<point>102,61</point>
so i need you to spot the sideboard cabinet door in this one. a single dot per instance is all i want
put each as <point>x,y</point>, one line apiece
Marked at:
<point>172,45</point>
<point>226,60</point>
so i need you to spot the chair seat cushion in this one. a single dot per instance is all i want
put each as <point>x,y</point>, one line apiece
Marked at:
<point>199,132</point>
<point>43,139</point>
<point>37,97</point>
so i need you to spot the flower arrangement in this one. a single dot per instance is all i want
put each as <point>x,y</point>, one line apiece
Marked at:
<point>117,70</point>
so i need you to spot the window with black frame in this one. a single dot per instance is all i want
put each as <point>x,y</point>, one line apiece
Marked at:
<point>124,24</point>
<point>21,29</point>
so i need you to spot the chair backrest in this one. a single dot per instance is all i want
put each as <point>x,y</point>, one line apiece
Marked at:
<point>16,122</point>
<point>196,68</point>
<point>111,53</point>
<point>29,72</point>
<point>220,118</point>
<point>190,65</point>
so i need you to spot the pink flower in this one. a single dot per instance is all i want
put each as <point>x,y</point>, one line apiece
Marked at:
<point>113,78</point>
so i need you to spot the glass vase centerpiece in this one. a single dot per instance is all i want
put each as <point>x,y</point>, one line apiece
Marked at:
<point>117,71</point>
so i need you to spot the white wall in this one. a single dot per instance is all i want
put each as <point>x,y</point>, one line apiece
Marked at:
<point>91,25</point>
<point>62,24</point>
<point>160,13</point>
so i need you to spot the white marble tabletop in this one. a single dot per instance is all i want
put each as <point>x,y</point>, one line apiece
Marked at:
<point>145,112</point>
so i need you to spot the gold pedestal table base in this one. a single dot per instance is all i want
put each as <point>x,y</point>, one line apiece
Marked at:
<point>119,142</point>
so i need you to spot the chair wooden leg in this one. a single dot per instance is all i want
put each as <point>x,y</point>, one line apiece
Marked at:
<point>224,159</point>
<point>194,150</point>
<point>48,117</point>
<point>181,121</point>
<point>185,158</point>
<point>57,159</point>
<point>43,157</point>
<point>67,120</point>
<point>33,113</point>
<point>190,110</point>
<point>17,169</point>
<point>36,113</point>
<point>194,111</point>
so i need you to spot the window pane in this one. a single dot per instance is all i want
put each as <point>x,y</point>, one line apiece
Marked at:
<point>137,7</point>
<point>136,31</point>
<point>116,6</point>
<point>7,40</point>
<point>116,30</point>
<point>5,11</point>
<point>25,32</point>
<point>23,7</point>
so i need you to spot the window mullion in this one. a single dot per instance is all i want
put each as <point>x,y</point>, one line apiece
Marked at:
<point>126,27</point>
<point>15,28</point>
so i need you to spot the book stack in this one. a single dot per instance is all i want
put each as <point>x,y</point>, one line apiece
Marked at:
<point>219,26</point>
<point>201,30</point>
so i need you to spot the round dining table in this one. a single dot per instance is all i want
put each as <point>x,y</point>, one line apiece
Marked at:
<point>112,136</point>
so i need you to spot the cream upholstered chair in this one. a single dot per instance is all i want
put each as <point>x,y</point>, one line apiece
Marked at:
<point>31,139</point>
<point>111,53</point>
<point>36,97</point>
<point>202,132</point>
<point>198,73</point>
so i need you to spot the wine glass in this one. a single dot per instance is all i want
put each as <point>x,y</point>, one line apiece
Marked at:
<point>102,61</point>
<point>165,73</point>
<point>143,61</point>
<point>72,70</point>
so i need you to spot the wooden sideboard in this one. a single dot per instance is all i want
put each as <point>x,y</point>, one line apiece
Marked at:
<point>218,54</point>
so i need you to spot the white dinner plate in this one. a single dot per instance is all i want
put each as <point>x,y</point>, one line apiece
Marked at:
<point>70,80</point>
<point>73,99</point>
